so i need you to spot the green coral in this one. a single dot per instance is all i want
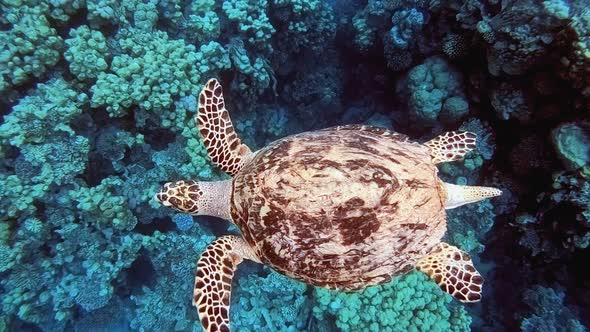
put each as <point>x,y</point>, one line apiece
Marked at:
<point>5,232</point>
<point>409,303</point>
<point>310,25</point>
<point>467,232</point>
<point>252,21</point>
<point>435,92</point>
<point>51,153</point>
<point>19,195</point>
<point>572,142</point>
<point>29,48</point>
<point>199,163</point>
<point>268,303</point>
<point>576,62</point>
<point>163,306</point>
<point>139,13</point>
<point>550,311</point>
<point>104,206</point>
<point>152,71</point>
<point>364,34</point>
<point>87,257</point>
<point>202,22</point>
<point>7,257</point>
<point>63,10</point>
<point>46,111</point>
<point>574,192</point>
<point>259,73</point>
<point>86,52</point>
<point>58,160</point>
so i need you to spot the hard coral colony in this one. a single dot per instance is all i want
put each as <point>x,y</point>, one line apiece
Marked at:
<point>99,100</point>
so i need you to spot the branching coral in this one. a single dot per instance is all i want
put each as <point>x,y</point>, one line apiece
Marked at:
<point>574,65</point>
<point>408,303</point>
<point>201,21</point>
<point>51,152</point>
<point>164,307</point>
<point>46,111</point>
<point>549,312</point>
<point>141,14</point>
<point>365,35</point>
<point>86,52</point>
<point>316,89</point>
<point>467,170</point>
<point>152,71</point>
<point>511,101</point>
<point>252,20</point>
<point>573,193</point>
<point>414,33</point>
<point>468,232</point>
<point>563,226</point>
<point>57,161</point>
<point>309,25</point>
<point>270,303</point>
<point>258,72</point>
<point>104,206</point>
<point>88,253</point>
<point>519,36</point>
<point>29,48</point>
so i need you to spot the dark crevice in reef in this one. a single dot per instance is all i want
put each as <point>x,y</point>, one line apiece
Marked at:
<point>158,138</point>
<point>141,273</point>
<point>215,225</point>
<point>98,168</point>
<point>163,225</point>
<point>501,247</point>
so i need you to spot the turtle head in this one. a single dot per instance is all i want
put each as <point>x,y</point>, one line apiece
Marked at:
<point>197,198</point>
<point>182,196</point>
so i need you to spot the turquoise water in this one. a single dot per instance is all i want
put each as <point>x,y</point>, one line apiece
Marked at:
<point>98,102</point>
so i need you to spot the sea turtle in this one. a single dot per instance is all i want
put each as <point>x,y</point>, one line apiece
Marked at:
<point>344,208</point>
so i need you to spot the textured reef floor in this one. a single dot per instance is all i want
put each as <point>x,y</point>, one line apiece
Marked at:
<point>98,102</point>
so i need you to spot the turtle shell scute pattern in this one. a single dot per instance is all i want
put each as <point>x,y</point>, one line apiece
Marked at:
<point>343,207</point>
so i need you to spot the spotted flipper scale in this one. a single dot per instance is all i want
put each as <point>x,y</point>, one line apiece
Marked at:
<point>224,147</point>
<point>215,271</point>
<point>451,146</point>
<point>452,269</point>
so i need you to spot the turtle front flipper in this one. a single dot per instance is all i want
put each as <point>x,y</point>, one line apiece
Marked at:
<point>452,269</point>
<point>215,270</point>
<point>451,146</point>
<point>223,144</point>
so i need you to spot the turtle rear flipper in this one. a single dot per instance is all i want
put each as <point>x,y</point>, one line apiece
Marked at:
<point>452,269</point>
<point>451,146</point>
<point>223,145</point>
<point>215,270</point>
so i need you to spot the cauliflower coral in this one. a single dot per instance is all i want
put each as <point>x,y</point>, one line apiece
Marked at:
<point>409,303</point>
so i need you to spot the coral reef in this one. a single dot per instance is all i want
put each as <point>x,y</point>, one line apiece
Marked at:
<point>97,107</point>
<point>406,304</point>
